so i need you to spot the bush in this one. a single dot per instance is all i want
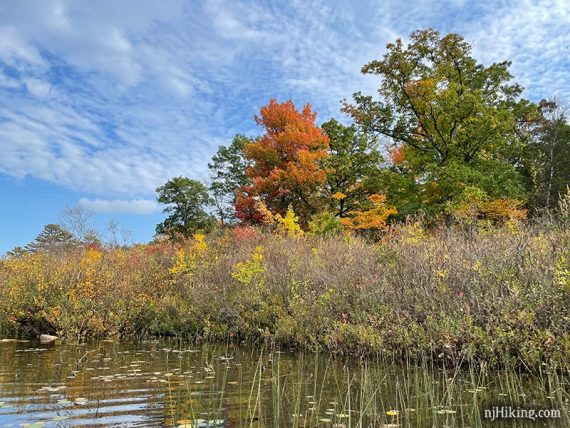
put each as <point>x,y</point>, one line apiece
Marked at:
<point>483,295</point>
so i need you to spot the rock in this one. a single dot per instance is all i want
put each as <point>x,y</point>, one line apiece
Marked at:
<point>46,338</point>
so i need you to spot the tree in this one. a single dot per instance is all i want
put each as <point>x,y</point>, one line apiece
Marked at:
<point>457,121</point>
<point>546,165</point>
<point>227,171</point>
<point>186,201</point>
<point>76,220</point>
<point>16,252</point>
<point>353,167</point>
<point>285,165</point>
<point>53,238</point>
<point>370,219</point>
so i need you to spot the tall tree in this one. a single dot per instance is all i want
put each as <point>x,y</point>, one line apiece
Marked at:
<point>53,238</point>
<point>458,121</point>
<point>227,172</point>
<point>186,203</point>
<point>546,164</point>
<point>286,162</point>
<point>353,167</point>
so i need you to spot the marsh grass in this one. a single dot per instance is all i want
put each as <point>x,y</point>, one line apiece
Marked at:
<point>313,390</point>
<point>488,295</point>
<point>177,383</point>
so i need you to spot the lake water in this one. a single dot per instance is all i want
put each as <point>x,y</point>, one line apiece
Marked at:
<point>176,383</point>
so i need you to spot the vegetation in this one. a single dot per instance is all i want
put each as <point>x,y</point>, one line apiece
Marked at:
<point>461,144</point>
<point>186,200</point>
<point>451,247</point>
<point>179,384</point>
<point>483,294</point>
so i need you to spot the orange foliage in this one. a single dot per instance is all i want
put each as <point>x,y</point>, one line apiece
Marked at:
<point>504,209</point>
<point>286,160</point>
<point>373,218</point>
<point>397,155</point>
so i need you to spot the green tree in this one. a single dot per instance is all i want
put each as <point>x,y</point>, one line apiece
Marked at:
<point>186,201</point>
<point>53,238</point>
<point>227,172</point>
<point>457,122</point>
<point>353,167</point>
<point>546,165</point>
<point>16,252</point>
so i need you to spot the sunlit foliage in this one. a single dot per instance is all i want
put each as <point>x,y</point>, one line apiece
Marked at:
<point>285,162</point>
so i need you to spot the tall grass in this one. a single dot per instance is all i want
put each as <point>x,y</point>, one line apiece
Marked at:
<point>315,390</point>
<point>494,295</point>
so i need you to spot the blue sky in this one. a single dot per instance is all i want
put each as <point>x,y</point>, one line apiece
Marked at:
<point>103,101</point>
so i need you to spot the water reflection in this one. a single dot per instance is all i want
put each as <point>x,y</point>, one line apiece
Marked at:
<point>174,383</point>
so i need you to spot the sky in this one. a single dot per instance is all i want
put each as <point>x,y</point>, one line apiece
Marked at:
<point>103,101</point>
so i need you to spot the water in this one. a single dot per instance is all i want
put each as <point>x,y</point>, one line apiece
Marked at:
<point>173,383</point>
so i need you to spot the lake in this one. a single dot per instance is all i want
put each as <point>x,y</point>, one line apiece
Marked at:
<point>169,382</point>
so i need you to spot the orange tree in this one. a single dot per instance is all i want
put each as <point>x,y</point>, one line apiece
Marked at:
<point>285,167</point>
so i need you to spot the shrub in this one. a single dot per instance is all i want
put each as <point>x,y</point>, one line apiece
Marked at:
<point>485,295</point>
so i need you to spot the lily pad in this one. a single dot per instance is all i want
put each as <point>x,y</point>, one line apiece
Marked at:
<point>60,418</point>
<point>200,423</point>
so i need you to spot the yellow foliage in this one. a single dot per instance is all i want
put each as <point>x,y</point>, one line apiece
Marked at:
<point>562,272</point>
<point>373,218</point>
<point>200,245</point>
<point>504,209</point>
<point>267,215</point>
<point>475,204</point>
<point>246,272</point>
<point>413,234</point>
<point>180,264</point>
<point>290,223</point>
<point>443,273</point>
<point>339,196</point>
<point>186,260</point>
<point>89,265</point>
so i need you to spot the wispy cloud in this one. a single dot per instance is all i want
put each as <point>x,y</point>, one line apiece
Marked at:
<point>120,206</point>
<point>113,98</point>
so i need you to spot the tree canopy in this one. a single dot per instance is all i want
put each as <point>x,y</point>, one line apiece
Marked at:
<point>228,173</point>
<point>453,121</point>
<point>353,167</point>
<point>285,165</point>
<point>52,238</point>
<point>187,201</point>
<point>447,137</point>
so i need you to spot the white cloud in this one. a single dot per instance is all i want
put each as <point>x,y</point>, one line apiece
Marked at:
<point>120,206</point>
<point>227,23</point>
<point>8,82</point>
<point>37,87</point>
<point>534,36</point>
<point>114,98</point>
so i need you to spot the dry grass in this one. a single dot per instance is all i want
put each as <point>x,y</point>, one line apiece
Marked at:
<point>485,294</point>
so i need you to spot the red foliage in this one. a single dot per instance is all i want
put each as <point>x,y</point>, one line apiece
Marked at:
<point>246,207</point>
<point>157,248</point>
<point>286,159</point>
<point>94,246</point>
<point>243,233</point>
